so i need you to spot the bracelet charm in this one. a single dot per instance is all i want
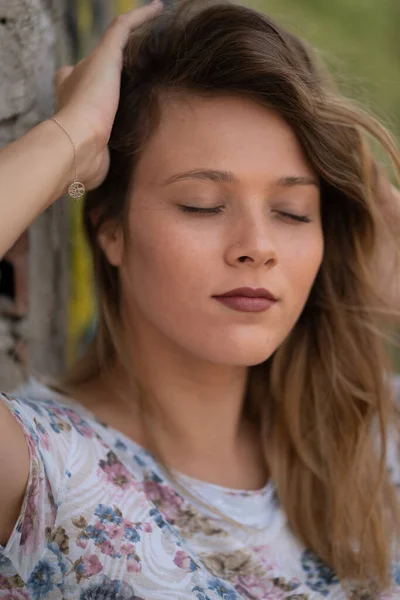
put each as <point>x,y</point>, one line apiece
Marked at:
<point>76,190</point>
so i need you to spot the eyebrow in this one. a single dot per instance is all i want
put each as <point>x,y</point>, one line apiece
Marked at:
<point>228,177</point>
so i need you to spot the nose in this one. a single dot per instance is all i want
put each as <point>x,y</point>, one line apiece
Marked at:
<point>252,242</point>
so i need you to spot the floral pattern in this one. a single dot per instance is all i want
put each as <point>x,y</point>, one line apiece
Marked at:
<point>100,522</point>
<point>251,575</point>
<point>320,577</point>
<point>176,511</point>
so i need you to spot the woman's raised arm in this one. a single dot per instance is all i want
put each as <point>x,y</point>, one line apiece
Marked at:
<point>37,169</point>
<point>34,171</point>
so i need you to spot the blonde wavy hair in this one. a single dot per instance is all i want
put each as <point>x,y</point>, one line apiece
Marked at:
<point>322,400</point>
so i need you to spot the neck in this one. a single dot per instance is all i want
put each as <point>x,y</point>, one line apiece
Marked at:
<point>195,413</point>
<point>195,406</point>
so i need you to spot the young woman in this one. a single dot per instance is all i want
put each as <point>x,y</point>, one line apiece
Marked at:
<point>231,431</point>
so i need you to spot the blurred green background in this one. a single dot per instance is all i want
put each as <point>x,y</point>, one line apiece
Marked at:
<point>359,40</point>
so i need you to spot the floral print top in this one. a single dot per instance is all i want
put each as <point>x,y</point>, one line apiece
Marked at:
<point>100,521</point>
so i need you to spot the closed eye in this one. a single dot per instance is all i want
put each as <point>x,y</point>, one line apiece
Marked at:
<point>206,211</point>
<point>218,209</point>
<point>292,217</point>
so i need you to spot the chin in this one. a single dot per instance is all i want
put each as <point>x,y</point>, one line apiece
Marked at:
<point>242,357</point>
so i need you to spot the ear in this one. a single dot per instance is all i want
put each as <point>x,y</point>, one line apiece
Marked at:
<point>111,241</point>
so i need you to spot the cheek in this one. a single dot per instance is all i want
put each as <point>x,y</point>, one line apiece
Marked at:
<point>301,263</point>
<point>171,273</point>
<point>167,264</point>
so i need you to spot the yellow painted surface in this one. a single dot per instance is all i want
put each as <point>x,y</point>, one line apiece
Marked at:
<point>125,5</point>
<point>81,300</point>
<point>85,17</point>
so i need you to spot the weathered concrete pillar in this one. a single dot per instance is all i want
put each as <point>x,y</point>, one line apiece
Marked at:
<point>33,284</point>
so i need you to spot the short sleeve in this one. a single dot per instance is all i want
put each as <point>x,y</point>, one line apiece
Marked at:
<point>48,440</point>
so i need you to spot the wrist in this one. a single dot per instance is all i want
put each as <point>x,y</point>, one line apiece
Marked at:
<point>83,144</point>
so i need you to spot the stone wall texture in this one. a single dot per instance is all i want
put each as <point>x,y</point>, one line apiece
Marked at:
<point>33,274</point>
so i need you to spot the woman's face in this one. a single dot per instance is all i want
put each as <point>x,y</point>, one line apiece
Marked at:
<point>243,160</point>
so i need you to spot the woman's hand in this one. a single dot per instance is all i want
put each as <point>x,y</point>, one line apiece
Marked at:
<point>88,95</point>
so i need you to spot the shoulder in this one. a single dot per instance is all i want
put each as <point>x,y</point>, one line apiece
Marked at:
<point>49,438</point>
<point>65,453</point>
<point>43,421</point>
<point>47,414</point>
<point>55,427</point>
<point>73,444</point>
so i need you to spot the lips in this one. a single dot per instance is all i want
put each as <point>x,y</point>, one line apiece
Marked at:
<point>247,299</point>
<point>248,292</point>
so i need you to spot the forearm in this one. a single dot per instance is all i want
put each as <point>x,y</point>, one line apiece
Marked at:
<point>34,172</point>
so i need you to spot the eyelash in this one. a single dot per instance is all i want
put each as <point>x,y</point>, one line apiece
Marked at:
<point>218,209</point>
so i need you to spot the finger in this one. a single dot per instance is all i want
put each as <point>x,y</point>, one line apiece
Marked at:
<point>117,34</point>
